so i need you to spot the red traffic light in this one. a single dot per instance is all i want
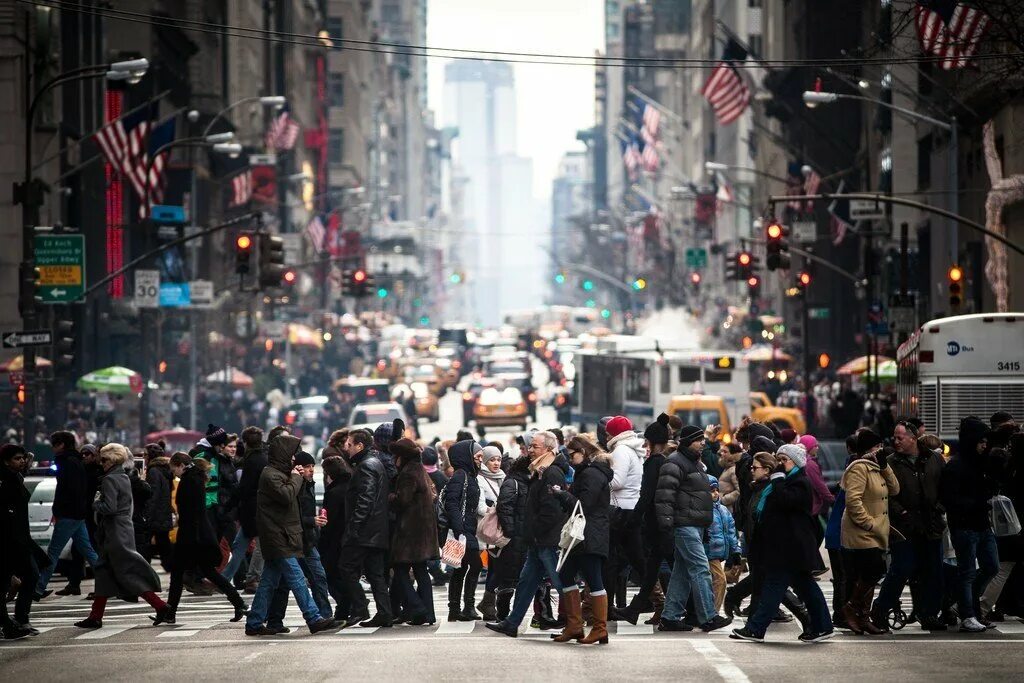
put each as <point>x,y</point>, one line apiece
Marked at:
<point>359,276</point>
<point>774,231</point>
<point>289,276</point>
<point>804,278</point>
<point>695,278</point>
<point>956,274</point>
<point>743,258</point>
<point>244,242</point>
<point>753,281</point>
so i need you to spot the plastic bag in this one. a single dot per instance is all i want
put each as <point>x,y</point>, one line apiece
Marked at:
<point>453,551</point>
<point>1003,517</point>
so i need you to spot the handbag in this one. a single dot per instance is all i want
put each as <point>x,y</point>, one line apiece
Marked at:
<point>1003,517</point>
<point>572,533</point>
<point>453,551</point>
<point>489,529</point>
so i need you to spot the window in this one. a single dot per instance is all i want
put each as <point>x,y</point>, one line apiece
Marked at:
<point>336,146</point>
<point>754,42</point>
<point>688,375</point>
<point>717,375</point>
<point>335,26</point>
<point>336,89</point>
<point>666,379</point>
<point>924,162</point>
<point>638,382</point>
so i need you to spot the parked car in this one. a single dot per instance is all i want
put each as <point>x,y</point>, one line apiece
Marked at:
<point>305,417</point>
<point>371,415</point>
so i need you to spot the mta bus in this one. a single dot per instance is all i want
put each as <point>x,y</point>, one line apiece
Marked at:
<point>634,376</point>
<point>963,365</point>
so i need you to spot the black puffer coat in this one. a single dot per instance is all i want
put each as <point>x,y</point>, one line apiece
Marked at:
<point>15,536</point>
<point>511,505</point>
<point>158,475</point>
<point>545,515</point>
<point>784,534</point>
<point>683,497</point>
<point>367,503</point>
<point>590,486</point>
<point>277,502</point>
<point>252,467</point>
<point>462,494</point>
<point>197,544</point>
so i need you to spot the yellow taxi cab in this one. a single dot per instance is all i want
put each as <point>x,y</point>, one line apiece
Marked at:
<point>702,410</point>
<point>427,405</point>
<point>428,374</point>
<point>763,410</point>
<point>500,407</point>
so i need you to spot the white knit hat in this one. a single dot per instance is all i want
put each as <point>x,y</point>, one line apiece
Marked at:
<point>795,452</point>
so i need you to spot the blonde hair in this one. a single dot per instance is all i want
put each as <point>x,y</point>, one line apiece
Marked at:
<point>115,453</point>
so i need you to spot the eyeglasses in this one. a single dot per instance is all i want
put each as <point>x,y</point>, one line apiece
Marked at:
<point>758,467</point>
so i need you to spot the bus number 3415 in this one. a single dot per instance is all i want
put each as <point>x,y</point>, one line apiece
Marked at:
<point>1008,366</point>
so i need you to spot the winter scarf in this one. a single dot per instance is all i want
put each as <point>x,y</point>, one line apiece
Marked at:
<point>759,508</point>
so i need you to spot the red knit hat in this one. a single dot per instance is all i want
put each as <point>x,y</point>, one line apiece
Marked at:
<point>617,425</point>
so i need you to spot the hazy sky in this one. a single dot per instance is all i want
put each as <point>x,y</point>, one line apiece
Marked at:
<point>553,101</point>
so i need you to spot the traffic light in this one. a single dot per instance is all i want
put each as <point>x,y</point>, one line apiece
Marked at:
<point>740,266</point>
<point>30,284</point>
<point>289,278</point>
<point>560,278</point>
<point>271,260</point>
<point>803,281</point>
<point>775,235</point>
<point>455,278</point>
<point>753,286</point>
<point>587,285</point>
<point>243,253</point>
<point>695,279</point>
<point>64,344</point>
<point>639,284</point>
<point>382,292</point>
<point>956,288</point>
<point>606,313</point>
<point>824,360</point>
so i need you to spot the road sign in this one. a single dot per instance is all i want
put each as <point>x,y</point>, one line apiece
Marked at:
<point>273,329</point>
<point>819,313</point>
<point>167,214</point>
<point>19,340</point>
<point>804,231</point>
<point>147,288</point>
<point>696,258</point>
<point>292,247</point>
<point>60,260</point>
<point>201,293</point>
<point>866,209</point>
<point>174,295</point>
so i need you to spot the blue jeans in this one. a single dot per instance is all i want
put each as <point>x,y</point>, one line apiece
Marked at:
<point>773,588</point>
<point>313,570</point>
<point>238,548</point>
<point>539,562</point>
<point>65,530</point>
<point>690,571</point>
<point>971,546</point>
<point>273,571</point>
<point>919,558</point>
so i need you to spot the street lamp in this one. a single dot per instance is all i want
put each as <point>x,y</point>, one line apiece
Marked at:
<point>29,193</point>
<point>276,101</point>
<point>713,167</point>
<point>219,142</point>
<point>813,98</point>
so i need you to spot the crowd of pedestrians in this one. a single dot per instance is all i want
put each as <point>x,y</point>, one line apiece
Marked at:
<point>561,527</point>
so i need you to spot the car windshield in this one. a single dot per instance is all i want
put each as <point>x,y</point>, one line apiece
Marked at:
<point>493,396</point>
<point>374,414</point>
<point>699,416</point>
<point>41,493</point>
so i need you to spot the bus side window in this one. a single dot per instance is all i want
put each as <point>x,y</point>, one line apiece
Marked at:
<point>688,375</point>
<point>666,379</point>
<point>717,375</point>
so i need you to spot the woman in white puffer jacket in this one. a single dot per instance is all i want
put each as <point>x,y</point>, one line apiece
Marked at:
<point>626,547</point>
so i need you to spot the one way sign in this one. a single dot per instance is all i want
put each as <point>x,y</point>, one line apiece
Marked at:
<point>17,340</point>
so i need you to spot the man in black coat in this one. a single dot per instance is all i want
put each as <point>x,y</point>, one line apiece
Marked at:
<point>542,527</point>
<point>245,499</point>
<point>18,552</point>
<point>683,508</point>
<point>365,542</point>
<point>337,475</point>
<point>786,544</point>
<point>71,506</point>
<point>915,535</point>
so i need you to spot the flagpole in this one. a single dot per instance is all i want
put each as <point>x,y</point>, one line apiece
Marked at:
<point>654,103</point>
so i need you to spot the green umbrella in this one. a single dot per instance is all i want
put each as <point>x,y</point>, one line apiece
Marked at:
<point>114,380</point>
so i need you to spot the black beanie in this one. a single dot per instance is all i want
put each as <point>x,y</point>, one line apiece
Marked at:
<point>658,432</point>
<point>689,434</point>
<point>216,436</point>
<point>304,458</point>
<point>866,440</point>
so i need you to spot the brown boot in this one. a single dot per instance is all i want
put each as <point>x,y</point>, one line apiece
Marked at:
<point>588,610</point>
<point>851,614</point>
<point>598,634</point>
<point>864,612</point>
<point>573,617</point>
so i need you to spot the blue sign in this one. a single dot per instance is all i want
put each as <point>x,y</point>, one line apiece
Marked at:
<point>174,294</point>
<point>167,214</point>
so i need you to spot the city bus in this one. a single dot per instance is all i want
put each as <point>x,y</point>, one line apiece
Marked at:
<point>634,376</point>
<point>959,366</point>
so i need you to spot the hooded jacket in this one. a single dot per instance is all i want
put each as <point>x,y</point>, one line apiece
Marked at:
<point>462,493</point>
<point>71,500</point>
<point>158,474</point>
<point>252,467</point>
<point>965,487</point>
<point>367,503</point>
<point>628,469</point>
<point>545,515</point>
<point>683,496</point>
<point>277,502</point>
<point>722,541</point>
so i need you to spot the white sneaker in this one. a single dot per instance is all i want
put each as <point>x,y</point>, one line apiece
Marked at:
<point>972,625</point>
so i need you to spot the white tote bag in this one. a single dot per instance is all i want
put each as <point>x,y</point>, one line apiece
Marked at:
<point>572,533</point>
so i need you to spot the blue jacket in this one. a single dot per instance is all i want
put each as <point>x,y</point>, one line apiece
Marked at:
<point>833,530</point>
<point>722,541</point>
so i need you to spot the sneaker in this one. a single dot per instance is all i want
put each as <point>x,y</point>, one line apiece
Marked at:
<point>673,625</point>
<point>321,625</point>
<point>717,622</point>
<point>972,625</point>
<point>259,631</point>
<point>808,637</point>
<point>746,634</point>
<point>278,630</point>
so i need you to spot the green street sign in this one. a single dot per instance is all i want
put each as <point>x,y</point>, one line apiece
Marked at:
<point>696,258</point>
<point>820,313</point>
<point>60,260</point>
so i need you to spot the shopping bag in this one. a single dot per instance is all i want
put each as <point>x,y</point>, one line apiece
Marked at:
<point>453,551</point>
<point>1003,517</point>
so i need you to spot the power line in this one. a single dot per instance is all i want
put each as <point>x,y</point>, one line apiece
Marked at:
<point>308,40</point>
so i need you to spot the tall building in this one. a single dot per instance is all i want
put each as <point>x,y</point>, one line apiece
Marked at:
<point>480,100</point>
<point>569,205</point>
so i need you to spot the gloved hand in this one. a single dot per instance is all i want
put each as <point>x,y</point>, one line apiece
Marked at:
<point>882,456</point>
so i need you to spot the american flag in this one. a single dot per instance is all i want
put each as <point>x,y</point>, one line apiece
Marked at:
<point>951,30</point>
<point>652,120</point>
<point>241,188</point>
<point>283,132</point>
<point>316,232</point>
<point>725,90</point>
<point>125,145</point>
<point>631,157</point>
<point>723,193</point>
<point>812,181</point>
<point>649,157</point>
<point>839,216</point>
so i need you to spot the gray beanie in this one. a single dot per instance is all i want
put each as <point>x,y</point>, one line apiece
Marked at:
<point>795,452</point>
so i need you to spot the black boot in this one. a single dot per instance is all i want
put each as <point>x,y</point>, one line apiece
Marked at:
<point>241,610</point>
<point>503,602</point>
<point>469,612</point>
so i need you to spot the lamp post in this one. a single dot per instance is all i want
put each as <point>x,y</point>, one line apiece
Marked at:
<point>277,101</point>
<point>29,193</point>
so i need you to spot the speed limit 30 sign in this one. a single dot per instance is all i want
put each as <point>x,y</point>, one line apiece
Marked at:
<point>147,288</point>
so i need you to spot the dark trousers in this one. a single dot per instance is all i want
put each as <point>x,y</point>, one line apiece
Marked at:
<point>462,587</point>
<point>866,565</point>
<point>773,588</point>
<point>920,560</point>
<point>421,600</point>
<point>336,588</point>
<point>626,548</point>
<point>840,585</point>
<point>586,565</point>
<point>355,561</point>
<point>164,548</point>
<point>29,575</point>
<point>209,572</point>
<point>652,574</point>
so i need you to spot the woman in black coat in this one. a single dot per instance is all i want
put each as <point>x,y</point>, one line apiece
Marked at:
<point>197,547</point>
<point>337,475</point>
<point>461,496</point>
<point>159,514</point>
<point>590,488</point>
<point>784,546</point>
<point>414,539</point>
<point>511,509</point>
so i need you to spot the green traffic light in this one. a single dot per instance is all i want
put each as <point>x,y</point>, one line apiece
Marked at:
<point>591,303</point>
<point>560,278</point>
<point>382,292</point>
<point>588,285</point>
<point>605,313</point>
<point>455,278</point>
<point>424,320</point>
